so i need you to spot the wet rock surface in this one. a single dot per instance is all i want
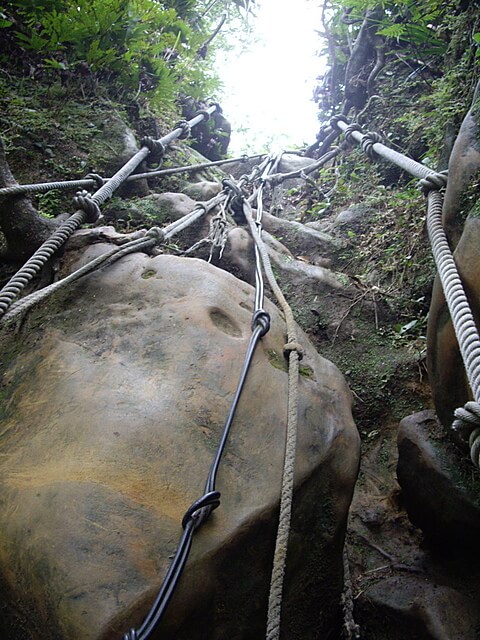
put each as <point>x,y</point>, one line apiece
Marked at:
<point>114,410</point>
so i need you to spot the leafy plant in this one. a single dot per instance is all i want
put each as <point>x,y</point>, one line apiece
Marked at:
<point>138,45</point>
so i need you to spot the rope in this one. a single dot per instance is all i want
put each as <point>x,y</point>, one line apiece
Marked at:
<point>371,141</point>
<point>152,238</point>
<point>201,209</point>
<point>467,418</point>
<point>217,235</point>
<point>278,178</point>
<point>89,211</point>
<point>295,352</point>
<point>43,187</point>
<point>89,182</point>
<point>39,259</point>
<point>198,513</point>
<point>18,282</point>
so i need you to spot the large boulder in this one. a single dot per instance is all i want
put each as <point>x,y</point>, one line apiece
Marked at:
<point>114,398</point>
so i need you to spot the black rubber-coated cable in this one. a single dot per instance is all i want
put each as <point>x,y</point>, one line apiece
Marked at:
<point>201,509</point>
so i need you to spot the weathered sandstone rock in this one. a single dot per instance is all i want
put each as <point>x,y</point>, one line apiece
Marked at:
<point>114,397</point>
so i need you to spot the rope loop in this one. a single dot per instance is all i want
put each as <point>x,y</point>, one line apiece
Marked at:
<point>131,635</point>
<point>185,127</point>
<point>369,139</point>
<point>235,198</point>
<point>474,442</point>
<point>157,234</point>
<point>433,182</point>
<point>293,346</point>
<point>261,318</point>
<point>156,148</point>
<point>84,201</point>
<point>350,130</point>
<point>200,510</point>
<point>334,120</point>
<point>467,423</point>
<point>220,221</point>
<point>97,179</point>
<point>204,113</point>
<point>232,186</point>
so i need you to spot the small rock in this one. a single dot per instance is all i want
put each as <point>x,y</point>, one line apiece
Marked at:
<point>292,162</point>
<point>355,216</point>
<point>202,191</point>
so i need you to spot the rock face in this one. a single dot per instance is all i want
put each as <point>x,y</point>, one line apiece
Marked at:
<point>114,399</point>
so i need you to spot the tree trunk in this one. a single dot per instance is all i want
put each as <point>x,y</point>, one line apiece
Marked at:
<point>24,229</point>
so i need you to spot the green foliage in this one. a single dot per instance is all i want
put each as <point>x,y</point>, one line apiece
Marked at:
<point>411,23</point>
<point>136,45</point>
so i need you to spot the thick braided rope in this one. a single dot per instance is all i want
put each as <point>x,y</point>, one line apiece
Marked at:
<point>374,146</point>
<point>34,265</point>
<point>294,353</point>
<point>468,418</point>
<point>153,237</point>
<point>94,180</point>
<point>43,187</point>
<point>89,209</point>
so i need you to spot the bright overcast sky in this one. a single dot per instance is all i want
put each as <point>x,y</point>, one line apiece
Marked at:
<point>268,88</point>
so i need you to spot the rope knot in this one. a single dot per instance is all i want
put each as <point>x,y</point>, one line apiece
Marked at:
<point>261,319</point>
<point>204,113</point>
<point>131,635</point>
<point>185,127</point>
<point>156,148</point>
<point>277,178</point>
<point>157,234</point>
<point>235,198</point>
<point>83,200</point>
<point>467,423</point>
<point>201,206</point>
<point>433,182</point>
<point>200,510</point>
<point>97,180</point>
<point>368,140</point>
<point>293,346</point>
<point>334,120</point>
<point>350,130</point>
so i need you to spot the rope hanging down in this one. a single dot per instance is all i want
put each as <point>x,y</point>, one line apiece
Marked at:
<point>294,352</point>
<point>88,211</point>
<point>467,418</point>
<point>198,513</point>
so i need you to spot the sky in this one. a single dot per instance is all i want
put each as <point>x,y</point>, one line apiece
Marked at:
<point>268,88</point>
